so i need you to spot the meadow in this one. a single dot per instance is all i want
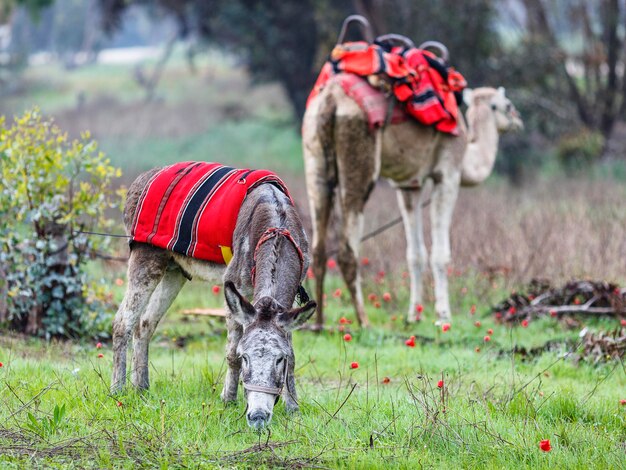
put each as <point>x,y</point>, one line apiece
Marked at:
<point>499,398</point>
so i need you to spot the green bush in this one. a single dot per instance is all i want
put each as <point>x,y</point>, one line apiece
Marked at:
<point>579,151</point>
<point>53,188</point>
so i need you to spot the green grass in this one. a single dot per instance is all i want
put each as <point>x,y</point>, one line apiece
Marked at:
<point>498,405</point>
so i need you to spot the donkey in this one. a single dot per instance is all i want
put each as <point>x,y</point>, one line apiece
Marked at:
<point>269,261</point>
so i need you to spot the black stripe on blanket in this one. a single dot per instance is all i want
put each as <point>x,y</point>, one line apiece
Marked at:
<point>196,202</point>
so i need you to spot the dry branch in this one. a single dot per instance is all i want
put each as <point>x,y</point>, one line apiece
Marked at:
<point>604,346</point>
<point>593,298</point>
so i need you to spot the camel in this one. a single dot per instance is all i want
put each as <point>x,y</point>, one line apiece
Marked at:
<point>344,159</point>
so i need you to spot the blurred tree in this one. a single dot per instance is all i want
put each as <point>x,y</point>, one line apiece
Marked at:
<point>585,41</point>
<point>288,41</point>
<point>34,6</point>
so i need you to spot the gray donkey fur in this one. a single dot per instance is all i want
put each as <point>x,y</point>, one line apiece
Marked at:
<point>259,333</point>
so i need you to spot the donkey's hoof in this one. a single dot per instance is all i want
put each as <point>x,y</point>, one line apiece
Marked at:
<point>292,409</point>
<point>228,398</point>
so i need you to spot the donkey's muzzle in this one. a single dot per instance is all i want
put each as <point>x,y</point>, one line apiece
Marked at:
<point>258,419</point>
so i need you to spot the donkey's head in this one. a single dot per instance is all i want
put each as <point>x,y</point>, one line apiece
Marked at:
<point>265,350</point>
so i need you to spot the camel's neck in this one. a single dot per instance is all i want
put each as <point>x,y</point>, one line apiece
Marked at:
<point>278,268</point>
<point>482,147</point>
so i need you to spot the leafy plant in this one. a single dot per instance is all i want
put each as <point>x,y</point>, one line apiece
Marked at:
<point>47,426</point>
<point>53,189</point>
<point>581,150</point>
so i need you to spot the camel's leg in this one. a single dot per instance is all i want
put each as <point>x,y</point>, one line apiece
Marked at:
<point>320,182</point>
<point>146,267</point>
<point>161,299</point>
<point>358,164</point>
<point>443,200</point>
<point>231,381</point>
<point>349,244</point>
<point>417,257</point>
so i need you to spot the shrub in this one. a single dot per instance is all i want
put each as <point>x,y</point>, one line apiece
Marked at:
<point>53,188</point>
<point>579,151</point>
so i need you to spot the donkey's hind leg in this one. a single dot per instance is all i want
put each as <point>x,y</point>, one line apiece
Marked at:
<point>146,267</point>
<point>161,300</point>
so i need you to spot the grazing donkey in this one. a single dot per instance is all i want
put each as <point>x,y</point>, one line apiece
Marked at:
<point>269,251</point>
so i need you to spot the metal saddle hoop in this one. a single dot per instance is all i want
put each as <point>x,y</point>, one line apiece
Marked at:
<point>442,51</point>
<point>365,26</point>
<point>393,39</point>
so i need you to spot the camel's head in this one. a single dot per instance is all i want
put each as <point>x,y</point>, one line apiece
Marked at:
<point>265,350</point>
<point>507,117</point>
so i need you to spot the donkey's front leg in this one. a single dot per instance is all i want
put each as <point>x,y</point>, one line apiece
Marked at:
<point>146,267</point>
<point>289,389</point>
<point>231,381</point>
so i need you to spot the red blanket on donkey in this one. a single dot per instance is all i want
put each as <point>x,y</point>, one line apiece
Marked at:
<point>419,81</point>
<point>192,208</point>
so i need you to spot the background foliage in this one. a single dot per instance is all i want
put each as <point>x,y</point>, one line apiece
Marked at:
<point>52,189</point>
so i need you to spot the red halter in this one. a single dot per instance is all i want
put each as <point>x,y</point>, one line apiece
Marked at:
<point>268,235</point>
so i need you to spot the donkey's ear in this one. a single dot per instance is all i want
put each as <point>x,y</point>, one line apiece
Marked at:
<point>468,94</point>
<point>242,311</point>
<point>294,319</point>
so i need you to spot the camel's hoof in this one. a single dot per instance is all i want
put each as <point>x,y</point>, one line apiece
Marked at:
<point>117,388</point>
